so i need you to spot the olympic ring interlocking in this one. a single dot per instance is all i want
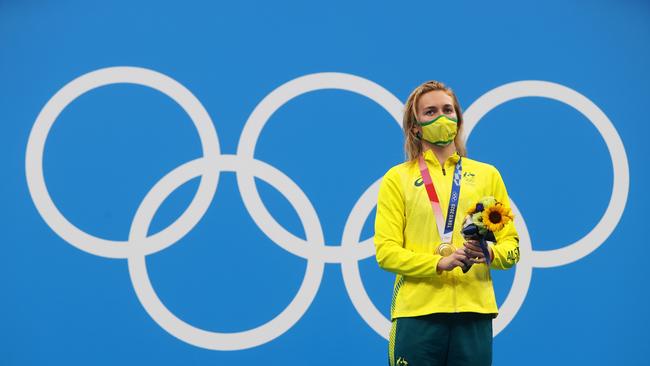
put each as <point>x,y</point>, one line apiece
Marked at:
<point>313,248</point>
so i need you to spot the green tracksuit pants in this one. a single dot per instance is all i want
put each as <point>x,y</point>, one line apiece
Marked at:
<point>441,339</point>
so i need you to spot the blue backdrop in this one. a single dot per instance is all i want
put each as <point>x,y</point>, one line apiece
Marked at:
<point>554,92</point>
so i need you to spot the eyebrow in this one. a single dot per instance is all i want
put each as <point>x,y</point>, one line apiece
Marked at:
<point>433,106</point>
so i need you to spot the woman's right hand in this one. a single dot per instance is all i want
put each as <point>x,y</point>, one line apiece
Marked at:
<point>457,259</point>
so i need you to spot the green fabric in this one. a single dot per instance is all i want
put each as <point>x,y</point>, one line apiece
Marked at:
<point>442,339</point>
<point>435,119</point>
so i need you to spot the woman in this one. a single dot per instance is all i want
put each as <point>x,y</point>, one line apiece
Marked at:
<point>443,300</point>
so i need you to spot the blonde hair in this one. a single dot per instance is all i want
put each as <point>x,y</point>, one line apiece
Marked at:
<point>412,145</point>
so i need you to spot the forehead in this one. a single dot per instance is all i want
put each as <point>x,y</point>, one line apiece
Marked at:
<point>436,98</point>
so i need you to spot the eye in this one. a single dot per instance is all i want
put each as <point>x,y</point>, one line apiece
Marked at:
<point>449,110</point>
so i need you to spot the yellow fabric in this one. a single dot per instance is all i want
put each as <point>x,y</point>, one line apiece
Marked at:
<point>406,238</point>
<point>391,344</point>
<point>440,131</point>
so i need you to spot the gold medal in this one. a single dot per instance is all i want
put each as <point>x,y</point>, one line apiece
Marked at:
<point>445,249</point>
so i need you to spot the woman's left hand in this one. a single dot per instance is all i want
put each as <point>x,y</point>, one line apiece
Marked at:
<point>474,251</point>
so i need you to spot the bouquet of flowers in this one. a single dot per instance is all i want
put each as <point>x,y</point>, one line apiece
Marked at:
<point>484,219</point>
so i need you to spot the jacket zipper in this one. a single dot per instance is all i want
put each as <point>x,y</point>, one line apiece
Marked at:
<point>453,277</point>
<point>453,281</point>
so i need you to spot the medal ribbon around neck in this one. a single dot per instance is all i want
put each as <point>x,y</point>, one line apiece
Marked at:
<point>446,234</point>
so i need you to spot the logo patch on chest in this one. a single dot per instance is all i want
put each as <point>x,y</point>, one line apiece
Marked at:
<point>469,177</point>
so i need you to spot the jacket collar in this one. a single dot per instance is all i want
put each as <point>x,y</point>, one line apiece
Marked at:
<point>431,158</point>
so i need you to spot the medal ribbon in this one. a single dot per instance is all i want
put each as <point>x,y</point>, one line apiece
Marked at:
<point>446,234</point>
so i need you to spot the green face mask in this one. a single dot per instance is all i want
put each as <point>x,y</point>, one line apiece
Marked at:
<point>440,131</point>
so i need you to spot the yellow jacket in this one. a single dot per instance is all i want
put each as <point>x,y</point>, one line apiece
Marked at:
<point>406,238</point>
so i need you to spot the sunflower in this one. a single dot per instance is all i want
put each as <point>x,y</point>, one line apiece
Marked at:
<point>495,217</point>
<point>476,208</point>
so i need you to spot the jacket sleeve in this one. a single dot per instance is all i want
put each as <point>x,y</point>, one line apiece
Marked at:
<point>389,233</point>
<point>506,248</point>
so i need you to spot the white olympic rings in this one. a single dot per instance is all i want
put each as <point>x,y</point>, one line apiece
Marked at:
<point>313,249</point>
